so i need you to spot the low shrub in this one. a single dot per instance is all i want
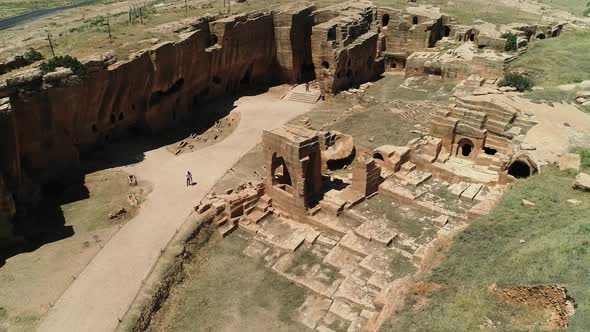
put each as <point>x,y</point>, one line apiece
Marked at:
<point>32,55</point>
<point>64,61</point>
<point>520,82</point>
<point>511,44</point>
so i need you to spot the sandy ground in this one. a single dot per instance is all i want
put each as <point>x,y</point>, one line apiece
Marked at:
<point>561,127</point>
<point>104,290</point>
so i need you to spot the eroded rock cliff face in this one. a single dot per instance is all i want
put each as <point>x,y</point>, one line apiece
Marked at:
<point>48,121</point>
<point>344,46</point>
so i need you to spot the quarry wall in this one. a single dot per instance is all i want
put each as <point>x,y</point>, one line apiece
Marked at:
<point>48,121</point>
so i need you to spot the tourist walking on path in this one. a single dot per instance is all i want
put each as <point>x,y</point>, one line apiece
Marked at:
<point>189,179</point>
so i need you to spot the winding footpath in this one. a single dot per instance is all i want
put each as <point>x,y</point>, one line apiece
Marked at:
<point>105,289</point>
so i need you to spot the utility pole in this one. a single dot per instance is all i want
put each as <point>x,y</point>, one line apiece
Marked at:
<point>109,29</point>
<point>50,44</point>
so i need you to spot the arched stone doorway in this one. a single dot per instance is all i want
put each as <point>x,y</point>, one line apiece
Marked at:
<point>280,173</point>
<point>465,147</point>
<point>522,167</point>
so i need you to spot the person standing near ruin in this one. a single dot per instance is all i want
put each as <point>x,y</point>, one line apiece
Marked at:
<point>307,86</point>
<point>189,178</point>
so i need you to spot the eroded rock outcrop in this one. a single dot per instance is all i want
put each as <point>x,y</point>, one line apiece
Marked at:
<point>344,46</point>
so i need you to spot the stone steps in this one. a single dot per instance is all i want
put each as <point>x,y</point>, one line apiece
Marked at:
<point>307,97</point>
<point>494,112</point>
<point>226,228</point>
<point>525,124</point>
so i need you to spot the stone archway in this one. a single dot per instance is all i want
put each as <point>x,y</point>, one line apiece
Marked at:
<point>522,167</point>
<point>280,173</point>
<point>465,147</point>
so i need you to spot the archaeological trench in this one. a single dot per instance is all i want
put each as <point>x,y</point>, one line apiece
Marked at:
<point>472,151</point>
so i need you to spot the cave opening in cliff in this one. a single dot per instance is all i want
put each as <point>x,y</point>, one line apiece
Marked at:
<point>93,128</point>
<point>385,20</point>
<point>325,64</point>
<point>332,34</point>
<point>121,116</point>
<point>415,20</point>
<point>213,40</point>
<point>541,36</point>
<point>112,118</point>
<point>447,31</point>
<point>157,96</point>
<point>307,72</point>
<point>472,37</point>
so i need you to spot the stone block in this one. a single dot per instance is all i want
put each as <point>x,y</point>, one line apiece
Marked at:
<point>570,161</point>
<point>582,182</point>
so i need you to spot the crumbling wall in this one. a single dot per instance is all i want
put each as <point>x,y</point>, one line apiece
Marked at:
<point>344,47</point>
<point>411,30</point>
<point>293,164</point>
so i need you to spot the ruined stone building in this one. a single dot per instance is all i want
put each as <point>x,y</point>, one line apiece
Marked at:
<point>293,163</point>
<point>404,32</point>
<point>48,121</point>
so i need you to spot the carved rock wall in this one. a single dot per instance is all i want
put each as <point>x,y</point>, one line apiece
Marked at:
<point>47,122</point>
<point>412,30</point>
<point>293,28</point>
<point>344,46</point>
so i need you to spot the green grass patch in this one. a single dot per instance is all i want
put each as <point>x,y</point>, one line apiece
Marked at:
<point>556,61</point>
<point>585,158</point>
<point>225,290</point>
<point>556,251</point>
<point>518,81</point>
<point>576,7</point>
<point>9,8</point>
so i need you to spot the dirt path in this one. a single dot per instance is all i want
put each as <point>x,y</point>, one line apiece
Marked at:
<point>104,290</point>
<point>560,128</point>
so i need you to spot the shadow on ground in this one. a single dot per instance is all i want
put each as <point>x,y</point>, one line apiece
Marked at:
<point>45,223</point>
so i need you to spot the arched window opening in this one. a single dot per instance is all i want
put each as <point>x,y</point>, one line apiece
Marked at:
<point>280,173</point>
<point>378,155</point>
<point>520,170</point>
<point>385,20</point>
<point>465,147</point>
<point>447,31</point>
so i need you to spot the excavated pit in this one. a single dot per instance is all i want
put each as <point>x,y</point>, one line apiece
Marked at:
<point>552,301</point>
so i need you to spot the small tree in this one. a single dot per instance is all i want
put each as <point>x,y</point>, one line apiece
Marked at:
<point>511,42</point>
<point>520,82</point>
